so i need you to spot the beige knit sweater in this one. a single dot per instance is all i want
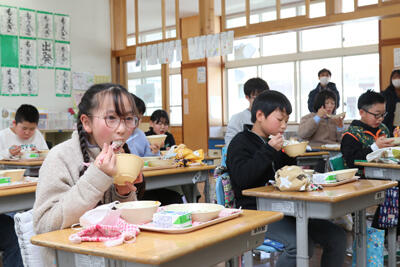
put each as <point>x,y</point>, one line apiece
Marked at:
<point>62,197</point>
<point>325,132</point>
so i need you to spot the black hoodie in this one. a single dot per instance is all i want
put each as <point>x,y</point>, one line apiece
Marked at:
<point>391,99</point>
<point>251,163</point>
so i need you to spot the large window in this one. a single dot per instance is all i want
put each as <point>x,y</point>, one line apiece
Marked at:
<point>290,62</point>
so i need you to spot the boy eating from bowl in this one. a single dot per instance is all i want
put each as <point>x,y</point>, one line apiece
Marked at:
<point>22,135</point>
<point>254,155</point>
<point>369,133</point>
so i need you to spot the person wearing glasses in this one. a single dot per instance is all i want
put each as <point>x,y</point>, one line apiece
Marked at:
<point>159,124</point>
<point>76,175</point>
<point>392,97</point>
<point>369,133</point>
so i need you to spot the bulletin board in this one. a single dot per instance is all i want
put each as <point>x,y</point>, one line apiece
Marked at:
<point>31,40</point>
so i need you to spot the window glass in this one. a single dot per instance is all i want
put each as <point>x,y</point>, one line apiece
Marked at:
<point>175,99</point>
<point>360,33</point>
<point>288,12</point>
<point>277,44</point>
<point>131,40</point>
<point>347,6</point>
<point>236,79</point>
<point>321,38</point>
<point>360,73</point>
<point>268,16</point>
<point>235,22</point>
<point>280,77</point>
<point>309,78</point>
<point>131,67</point>
<point>149,90</point>
<point>317,10</point>
<point>245,48</point>
<point>367,2</point>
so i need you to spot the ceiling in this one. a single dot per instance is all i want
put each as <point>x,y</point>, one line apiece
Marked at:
<point>150,11</point>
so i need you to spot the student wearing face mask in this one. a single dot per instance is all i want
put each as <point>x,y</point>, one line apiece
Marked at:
<point>392,98</point>
<point>324,77</point>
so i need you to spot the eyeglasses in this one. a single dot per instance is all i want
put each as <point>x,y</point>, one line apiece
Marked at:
<point>377,115</point>
<point>113,122</point>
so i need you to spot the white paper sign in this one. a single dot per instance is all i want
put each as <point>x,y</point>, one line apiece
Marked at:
<point>138,55</point>
<point>186,106</point>
<point>62,27</point>
<point>185,86</point>
<point>27,52</point>
<point>29,81</point>
<point>8,20</point>
<point>63,82</point>
<point>201,74</point>
<point>396,54</point>
<point>45,25</point>
<point>191,49</point>
<point>46,53</point>
<point>10,81</point>
<point>178,47</point>
<point>63,55</point>
<point>201,46</point>
<point>82,80</point>
<point>27,23</point>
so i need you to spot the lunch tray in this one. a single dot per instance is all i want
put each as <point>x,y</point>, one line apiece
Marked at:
<point>16,185</point>
<point>146,168</point>
<point>151,227</point>
<point>355,178</point>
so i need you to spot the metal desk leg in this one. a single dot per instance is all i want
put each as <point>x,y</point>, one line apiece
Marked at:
<point>392,233</point>
<point>361,238</point>
<point>302,235</point>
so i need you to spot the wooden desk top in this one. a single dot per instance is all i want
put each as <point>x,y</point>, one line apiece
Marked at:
<point>211,157</point>
<point>18,191</point>
<point>328,194</point>
<point>177,170</point>
<point>156,248</point>
<point>312,154</point>
<point>219,146</point>
<point>378,165</point>
<point>323,148</point>
<point>22,162</point>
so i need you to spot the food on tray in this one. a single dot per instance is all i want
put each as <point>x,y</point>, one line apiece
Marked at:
<point>172,219</point>
<point>345,174</point>
<point>201,212</point>
<point>395,140</point>
<point>137,212</point>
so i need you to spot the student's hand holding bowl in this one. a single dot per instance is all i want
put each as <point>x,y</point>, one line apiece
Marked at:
<point>322,113</point>
<point>15,150</point>
<point>106,160</point>
<point>382,142</point>
<point>276,141</point>
<point>155,148</point>
<point>129,187</point>
<point>338,121</point>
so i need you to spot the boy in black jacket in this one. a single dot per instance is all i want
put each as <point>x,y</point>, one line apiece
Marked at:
<point>254,156</point>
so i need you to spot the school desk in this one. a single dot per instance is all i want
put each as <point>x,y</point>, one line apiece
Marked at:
<point>16,199</point>
<point>388,172</point>
<point>329,203</point>
<point>220,146</point>
<point>314,159</point>
<point>180,176</point>
<point>32,166</point>
<point>204,247</point>
<point>333,151</point>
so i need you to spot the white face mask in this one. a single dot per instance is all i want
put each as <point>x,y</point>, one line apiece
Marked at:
<point>396,83</point>
<point>324,80</point>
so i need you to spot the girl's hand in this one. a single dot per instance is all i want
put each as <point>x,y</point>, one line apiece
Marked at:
<point>382,142</point>
<point>15,150</point>
<point>322,112</point>
<point>155,149</point>
<point>106,160</point>
<point>129,187</point>
<point>338,121</point>
<point>276,141</point>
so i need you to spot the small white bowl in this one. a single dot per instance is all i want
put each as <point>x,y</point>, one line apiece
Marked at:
<point>138,212</point>
<point>16,175</point>
<point>201,212</point>
<point>345,174</point>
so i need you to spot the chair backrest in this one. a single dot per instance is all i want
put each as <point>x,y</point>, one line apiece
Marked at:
<point>336,162</point>
<point>219,191</point>
<point>31,254</point>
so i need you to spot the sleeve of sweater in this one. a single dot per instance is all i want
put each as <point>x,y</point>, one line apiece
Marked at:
<point>310,101</point>
<point>42,145</point>
<point>353,150</point>
<point>247,168</point>
<point>307,126</point>
<point>60,202</point>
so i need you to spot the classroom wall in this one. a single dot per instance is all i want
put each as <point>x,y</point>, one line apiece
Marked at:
<point>90,47</point>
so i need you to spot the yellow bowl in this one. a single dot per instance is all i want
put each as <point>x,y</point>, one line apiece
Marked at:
<point>138,212</point>
<point>156,139</point>
<point>16,175</point>
<point>201,212</point>
<point>128,168</point>
<point>294,150</point>
<point>345,174</point>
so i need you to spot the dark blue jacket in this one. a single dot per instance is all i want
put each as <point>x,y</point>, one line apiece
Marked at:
<point>313,94</point>
<point>391,99</point>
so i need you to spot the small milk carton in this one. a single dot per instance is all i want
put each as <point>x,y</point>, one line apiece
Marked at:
<point>172,219</point>
<point>324,178</point>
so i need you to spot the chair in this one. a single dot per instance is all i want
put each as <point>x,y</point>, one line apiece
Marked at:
<point>336,162</point>
<point>220,189</point>
<point>31,254</point>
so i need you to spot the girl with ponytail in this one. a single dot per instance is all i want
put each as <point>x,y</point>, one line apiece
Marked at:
<point>76,176</point>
